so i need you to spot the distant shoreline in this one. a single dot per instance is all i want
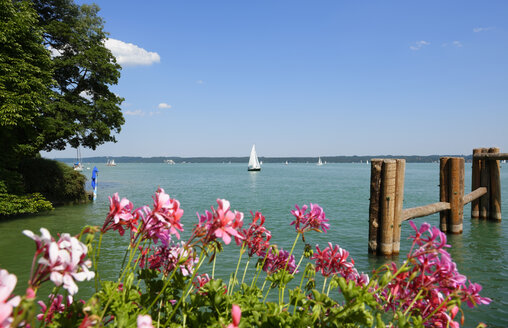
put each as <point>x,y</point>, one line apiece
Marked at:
<point>328,159</point>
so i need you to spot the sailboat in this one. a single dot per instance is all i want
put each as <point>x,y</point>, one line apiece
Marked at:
<point>319,161</point>
<point>253,160</point>
<point>77,166</point>
<point>110,162</point>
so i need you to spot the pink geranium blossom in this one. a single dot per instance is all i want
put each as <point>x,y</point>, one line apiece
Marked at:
<point>163,218</point>
<point>7,303</point>
<point>305,221</point>
<point>63,261</point>
<point>219,223</point>
<point>275,261</point>
<point>236,315</point>
<point>256,237</point>
<point>120,215</point>
<point>333,260</point>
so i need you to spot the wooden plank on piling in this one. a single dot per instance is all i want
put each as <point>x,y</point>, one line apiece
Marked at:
<point>388,205</point>
<point>456,195</point>
<point>417,212</point>
<point>443,191</point>
<point>475,184</point>
<point>487,155</point>
<point>376,165</point>
<point>475,194</point>
<point>495,187</point>
<point>484,182</point>
<point>399,200</point>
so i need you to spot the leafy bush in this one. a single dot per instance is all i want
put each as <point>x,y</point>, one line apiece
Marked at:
<point>159,283</point>
<point>56,181</point>
<point>11,205</point>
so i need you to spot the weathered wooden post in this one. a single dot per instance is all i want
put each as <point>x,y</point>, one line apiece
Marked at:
<point>485,182</point>
<point>444,178</point>
<point>399,200</point>
<point>456,195</point>
<point>475,184</point>
<point>376,165</point>
<point>388,182</point>
<point>495,187</point>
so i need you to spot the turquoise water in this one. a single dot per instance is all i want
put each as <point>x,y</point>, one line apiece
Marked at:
<point>341,189</point>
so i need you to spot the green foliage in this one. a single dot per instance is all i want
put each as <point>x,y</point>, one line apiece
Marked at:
<point>57,181</point>
<point>11,205</point>
<point>83,111</point>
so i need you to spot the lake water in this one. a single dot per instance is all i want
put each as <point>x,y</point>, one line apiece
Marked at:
<point>481,252</point>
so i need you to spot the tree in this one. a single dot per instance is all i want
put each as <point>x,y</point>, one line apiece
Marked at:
<point>25,77</point>
<point>83,110</point>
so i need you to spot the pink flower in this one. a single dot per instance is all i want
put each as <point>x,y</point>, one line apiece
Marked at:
<point>275,262</point>
<point>236,315</point>
<point>63,262</point>
<point>56,306</point>
<point>333,260</point>
<point>144,321</point>
<point>164,217</point>
<point>313,220</point>
<point>167,258</point>
<point>220,223</point>
<point>120,215</point>
<point>256,237</point>
<point>7,284</point>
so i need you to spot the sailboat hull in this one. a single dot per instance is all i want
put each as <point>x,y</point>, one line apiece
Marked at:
<point>254,169</point>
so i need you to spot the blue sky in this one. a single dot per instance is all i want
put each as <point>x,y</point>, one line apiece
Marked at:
<point>308,78</point>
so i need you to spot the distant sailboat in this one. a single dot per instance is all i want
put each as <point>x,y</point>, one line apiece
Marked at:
<point>253,160</point>
<point>111,162</point>
<point>319,161</point>
<point>286,163</point>
<point>78,166</point>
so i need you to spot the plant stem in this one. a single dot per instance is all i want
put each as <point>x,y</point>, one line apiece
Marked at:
<point>324,284</point>
<point>213,266</point>
<point>245,270</point>
<point>232,284</point>
<point>95,263</point>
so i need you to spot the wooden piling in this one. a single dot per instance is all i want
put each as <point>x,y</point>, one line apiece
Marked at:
<point>456,195</point>
<point>443,192</point>
<point>399,200</point>
<point>388,183</point>
<point>475,184</point>
<point>484,182</point>
<point>495,187</point>
<point>375,203</point>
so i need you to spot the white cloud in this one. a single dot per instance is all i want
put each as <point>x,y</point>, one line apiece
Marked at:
<point>200,82</point>
<point>418,45</point>
<point>164,105</point>
<point>482,29</point>
<point>457,44</point>
<point>128,54</point>
<point>138,112</point>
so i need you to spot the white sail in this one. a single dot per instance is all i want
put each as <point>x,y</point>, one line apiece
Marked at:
<point>253,160</point>
<point>319,161</point>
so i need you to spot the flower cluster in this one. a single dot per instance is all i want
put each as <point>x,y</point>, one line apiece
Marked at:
<point>56,306</point>
<point>63,261</point>
<point>256,237</point>
<point>167,257</point>
<point>219,223</point>
<point>313,220</point>
<point>165,216</point>
<point>429,280</point>
<point>120,216</point>
<point>275,261</point>
<point>7,303</point>
<point>333,260</point>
